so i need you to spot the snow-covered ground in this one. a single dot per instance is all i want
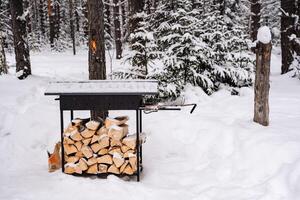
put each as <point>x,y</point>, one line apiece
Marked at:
<point>215,153</point>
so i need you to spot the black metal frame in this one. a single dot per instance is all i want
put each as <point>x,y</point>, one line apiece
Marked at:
<point>103,102</point>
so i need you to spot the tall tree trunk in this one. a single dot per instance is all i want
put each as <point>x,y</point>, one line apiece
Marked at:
<point>255,18</point>
<point>51,16</point>
<point>3,65</point>
<point>107,14</point>
<point>97,67</point>
<point>71,15</point>
<point>117,25</point>
<point>262,85</point>
<point>42,18</point>
<point>135,6</point>
<point>287,29</point>
<point>23,68</point>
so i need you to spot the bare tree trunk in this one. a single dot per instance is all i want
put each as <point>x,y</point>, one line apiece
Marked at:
<point>255,18</point>
<point>71,15</point>
<point>117,25</point>
<point>3,65</point>
<point>287,29</point>
<point>107,17</point>
<point>135,6</point>
<point>262,85</point>
<point>97,67</point>
<point>23,68</point>
<point>51,16</point>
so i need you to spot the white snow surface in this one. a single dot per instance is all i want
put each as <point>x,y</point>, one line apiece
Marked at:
<point>216,153</point>
<point>264,35</point>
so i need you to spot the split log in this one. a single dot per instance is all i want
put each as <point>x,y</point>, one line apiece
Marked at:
<point>93,169</point>
<point>130,141</point>
<point>75,135</point>
<point>122,168</point>
<point>83,164</point>
<point>69,149</point>
<point>113,150</point>
<point>118,159</point>
<point>103,152</point>
<point>79,154</point>
<point>113,169</point>
<point>102,168</point>
<point>72,159</point>
<point>92,125</point>
<point>115,121</point>
<point>87,133</point>
<point>114,143</point>
<point>128,170</point>
<point>70,170</point>
<point>86,141</point>
<point>67,140</point>
<point>102,131</point>
<point>78,145</point>
<point>128,153</point>
<point>125,148</point>
<point>104,141</point>
<point>96,147</point>
<point>92,161</point>
<point>69,130</point>
<point>87,151</point>
<point>95,138</point>
<point>133,163</point>
<point>106,159</point>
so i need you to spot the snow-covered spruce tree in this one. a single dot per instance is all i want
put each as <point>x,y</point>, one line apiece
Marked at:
<point>3,65</point>
<point>143,49</point>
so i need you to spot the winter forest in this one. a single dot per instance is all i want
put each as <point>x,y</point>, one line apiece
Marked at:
<point>238,60</point>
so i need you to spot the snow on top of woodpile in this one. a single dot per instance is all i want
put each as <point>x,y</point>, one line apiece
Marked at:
<point>264,35</point>
<point>103,87</point>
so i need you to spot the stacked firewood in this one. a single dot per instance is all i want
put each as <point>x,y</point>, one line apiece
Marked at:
<point>92,149</point>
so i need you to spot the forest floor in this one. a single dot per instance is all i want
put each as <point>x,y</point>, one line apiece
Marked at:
<point>216,153</point>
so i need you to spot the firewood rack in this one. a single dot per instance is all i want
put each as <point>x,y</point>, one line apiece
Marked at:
<point>103,95</point>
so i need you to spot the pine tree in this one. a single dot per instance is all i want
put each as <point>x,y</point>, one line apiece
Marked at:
<point>3,65</point>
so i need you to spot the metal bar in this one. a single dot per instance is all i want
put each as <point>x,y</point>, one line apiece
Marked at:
<point>72,114</point>
<point>141,145</point>
<point>138,145</point>
<point>61,140</point>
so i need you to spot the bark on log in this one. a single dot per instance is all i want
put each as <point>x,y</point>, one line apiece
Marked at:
<point>262,85</point>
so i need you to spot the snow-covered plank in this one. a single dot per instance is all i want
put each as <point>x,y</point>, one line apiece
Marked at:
<point>103,87</point>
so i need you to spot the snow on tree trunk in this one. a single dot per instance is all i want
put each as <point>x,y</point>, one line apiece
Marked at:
<point>117,25</point>
<point>262,76</point>
<point>3,65</point>
<point>23,68</point>
<point>97,68</point>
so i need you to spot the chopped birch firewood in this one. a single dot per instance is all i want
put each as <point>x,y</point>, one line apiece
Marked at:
<point>79,154</point>
<point>78,170</point>
<point>116,121</point>
<point>87,133</point>
<point>78,145</point>
<point>113,169</point>
<point>102,131</point>
<point>96,147</point>
<point>87,141</point>
<point>92,125</point>
<point>70,170</point>
<point>128,170</point>
<point>67,140</point>
<point>125,148</point>
<point>113,150</point>
<point>76,122</point>
<point>72,159</point>
<point>76,136</point>
<point>87,151</point>
<point>102,168</point>
<point>125,129</point>
<point>95,138</point>
<point>104,141</point>
<point>114,142</point>
<point>106,159</point>
<point>69,130</point>
<point>128,153</point>
<point>69,149</point>
<point>116,132</point>
<point>92,161</point>
<point>118,159</point>
<point>123,166</point>
<point>83,164</point>
<point>103,151</point>
<point>133,164</point>
<point>93,169</point>
<point>130,141</point>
